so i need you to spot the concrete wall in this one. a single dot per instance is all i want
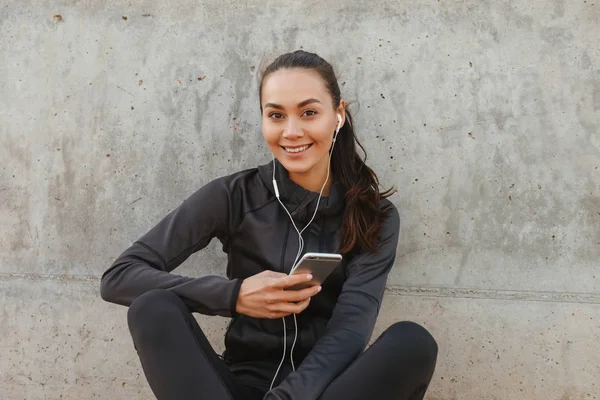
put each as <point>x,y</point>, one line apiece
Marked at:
<point>485,115</point>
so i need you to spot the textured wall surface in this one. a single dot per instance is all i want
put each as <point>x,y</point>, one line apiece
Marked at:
<point>484,114</point>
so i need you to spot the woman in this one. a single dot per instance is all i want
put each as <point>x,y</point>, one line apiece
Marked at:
<point>257,215</point>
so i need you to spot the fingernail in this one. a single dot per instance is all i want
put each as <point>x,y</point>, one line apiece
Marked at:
<point>308,277</point>
<point>319,289</point>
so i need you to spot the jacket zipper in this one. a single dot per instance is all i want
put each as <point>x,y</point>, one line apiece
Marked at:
<point>282,268</point>
<point>321,235</point>
<point>283,251</point>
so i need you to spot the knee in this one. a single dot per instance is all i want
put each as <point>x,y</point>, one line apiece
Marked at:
<point>151,313</point>
<point>411,337</point>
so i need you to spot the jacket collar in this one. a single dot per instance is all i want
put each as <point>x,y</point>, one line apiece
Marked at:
<point>300,202</point>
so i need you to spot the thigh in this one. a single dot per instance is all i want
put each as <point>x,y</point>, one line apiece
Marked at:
<point>177,358</point>
<point>399,366</point>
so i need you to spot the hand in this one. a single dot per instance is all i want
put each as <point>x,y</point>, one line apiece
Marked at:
<point>263,295</point>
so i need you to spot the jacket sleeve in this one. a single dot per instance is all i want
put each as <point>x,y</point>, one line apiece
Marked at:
<point>148,262</point>
<point>352,321</point>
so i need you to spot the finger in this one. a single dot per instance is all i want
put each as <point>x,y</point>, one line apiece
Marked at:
<point>277,315</point>
<point>296,309</point>
<point>290,280</point>
<point>297,295</point>
<point>292,308</point>
<point>302,306</point>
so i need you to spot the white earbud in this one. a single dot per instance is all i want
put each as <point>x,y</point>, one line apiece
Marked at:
<point>339,126</point>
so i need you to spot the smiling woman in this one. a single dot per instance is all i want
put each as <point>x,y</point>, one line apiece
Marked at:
<point>256,214</point>
<point>298,121</point>
<point>301,104</point>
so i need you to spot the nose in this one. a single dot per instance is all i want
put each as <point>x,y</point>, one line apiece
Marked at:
<point>292,130</point>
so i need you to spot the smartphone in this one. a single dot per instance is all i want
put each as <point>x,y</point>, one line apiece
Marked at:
<point>319,265</point>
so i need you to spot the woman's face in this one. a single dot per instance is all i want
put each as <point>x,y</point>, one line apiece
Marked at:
<point>299,120</point>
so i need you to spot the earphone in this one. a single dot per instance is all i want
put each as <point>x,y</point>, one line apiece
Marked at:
<point>339,126</point>
<point>300,248</point>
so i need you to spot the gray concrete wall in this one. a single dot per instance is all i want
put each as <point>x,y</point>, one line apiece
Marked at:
<point>484,114</point>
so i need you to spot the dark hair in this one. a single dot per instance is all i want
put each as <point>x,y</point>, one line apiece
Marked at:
<point>362,216</point>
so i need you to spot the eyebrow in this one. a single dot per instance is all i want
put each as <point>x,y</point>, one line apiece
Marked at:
<point>300,105</point>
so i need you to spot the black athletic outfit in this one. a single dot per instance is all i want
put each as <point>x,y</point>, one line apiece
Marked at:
<point>242,212</point>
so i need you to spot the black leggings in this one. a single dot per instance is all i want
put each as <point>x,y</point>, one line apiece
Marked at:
<point>180,364</point>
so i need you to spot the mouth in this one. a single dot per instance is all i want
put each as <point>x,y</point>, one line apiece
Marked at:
<point>296,149</point>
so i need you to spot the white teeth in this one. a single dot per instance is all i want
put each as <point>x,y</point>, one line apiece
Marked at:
<point>296,150</point>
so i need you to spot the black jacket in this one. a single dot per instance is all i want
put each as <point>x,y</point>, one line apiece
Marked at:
<point>242,212</point>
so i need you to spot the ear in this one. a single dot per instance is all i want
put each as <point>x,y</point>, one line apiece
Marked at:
<point>341,110</point>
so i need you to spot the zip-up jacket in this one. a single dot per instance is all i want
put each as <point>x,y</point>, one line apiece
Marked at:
<point>242,212</point>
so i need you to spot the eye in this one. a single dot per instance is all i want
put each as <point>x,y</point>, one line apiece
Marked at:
<point>275,115</point>
<point>310,113</point>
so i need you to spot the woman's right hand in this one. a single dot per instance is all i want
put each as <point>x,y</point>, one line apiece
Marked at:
<point>263,295</point>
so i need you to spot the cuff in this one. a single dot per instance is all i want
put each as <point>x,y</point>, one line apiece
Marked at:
<point>234,296</point>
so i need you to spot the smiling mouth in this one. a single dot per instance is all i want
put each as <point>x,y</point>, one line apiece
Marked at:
<point>296,149</point>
